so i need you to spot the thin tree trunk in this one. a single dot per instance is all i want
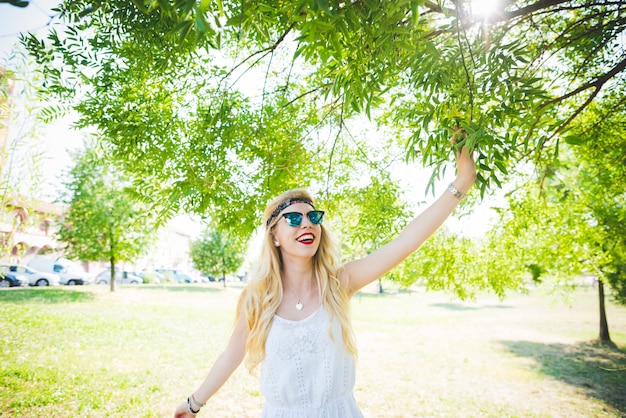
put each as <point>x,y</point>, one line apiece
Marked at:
<point>604,325</point>
<point>112,273</point>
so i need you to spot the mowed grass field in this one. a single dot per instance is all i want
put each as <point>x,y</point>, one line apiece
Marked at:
<point>138,352</point>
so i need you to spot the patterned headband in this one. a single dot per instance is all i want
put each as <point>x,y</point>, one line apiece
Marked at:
<point>286,204</point>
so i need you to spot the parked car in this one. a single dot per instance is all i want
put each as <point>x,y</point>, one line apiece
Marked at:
<point>69,272</point>
<point>13,280</point>
<point>153,277</point>
<point>35,278</point>
<point>145,278</point>
<point>167,274</point>
<point>121,277</point>
<point>183,278</point>
<point>159,276</point>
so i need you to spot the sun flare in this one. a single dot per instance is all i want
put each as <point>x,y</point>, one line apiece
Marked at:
<point>484,9</point>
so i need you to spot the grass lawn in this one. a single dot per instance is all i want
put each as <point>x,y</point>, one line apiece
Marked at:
<point>84,352</point>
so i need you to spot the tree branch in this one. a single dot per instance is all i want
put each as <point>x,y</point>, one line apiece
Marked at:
<point>263,52</point>
<point>601,27</point>
<point>597,87</point>
<point>584,35</point>
<point>530,9</point>
<point>437,8</point>
<point>596,84</point>
<point>547,7</point>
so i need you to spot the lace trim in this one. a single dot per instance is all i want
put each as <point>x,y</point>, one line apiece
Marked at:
<point>299,338</point>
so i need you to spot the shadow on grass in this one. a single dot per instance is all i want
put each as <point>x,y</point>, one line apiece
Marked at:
<point>385,294</point>
<point>597,369</point>
<point>45,295</point>
<point>189,288</point>
<point>462,307</point>
<point>369,295</point>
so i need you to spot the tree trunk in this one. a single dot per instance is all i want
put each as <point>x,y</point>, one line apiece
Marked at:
<point>604,325</point>
<point>112,274</point>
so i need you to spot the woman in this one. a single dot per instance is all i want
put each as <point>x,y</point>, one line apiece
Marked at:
<point>293,318</point>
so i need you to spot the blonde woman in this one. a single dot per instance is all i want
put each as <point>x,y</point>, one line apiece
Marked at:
<point>293,318</point>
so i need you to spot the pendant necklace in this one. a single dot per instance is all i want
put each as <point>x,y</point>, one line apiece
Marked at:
<point>299,305</point>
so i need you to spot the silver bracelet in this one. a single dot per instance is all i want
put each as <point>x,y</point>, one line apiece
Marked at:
<point>455,192</point>
<point>198,404</point>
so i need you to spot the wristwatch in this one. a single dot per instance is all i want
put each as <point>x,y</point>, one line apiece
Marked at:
<point>455,192</point>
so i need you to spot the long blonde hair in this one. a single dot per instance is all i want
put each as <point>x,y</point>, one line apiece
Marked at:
<point>264,291</point>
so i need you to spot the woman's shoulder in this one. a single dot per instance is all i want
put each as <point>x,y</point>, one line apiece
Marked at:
<point>344,279</point>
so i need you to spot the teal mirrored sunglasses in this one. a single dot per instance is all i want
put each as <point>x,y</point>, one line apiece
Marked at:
<point>295,218</point>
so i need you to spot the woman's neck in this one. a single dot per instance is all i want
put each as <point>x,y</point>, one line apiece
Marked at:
<point>298,277</point>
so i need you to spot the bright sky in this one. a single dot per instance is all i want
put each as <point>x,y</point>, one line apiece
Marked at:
<point>484,8</point>
<point>14,20</point>
<point>58,139</point>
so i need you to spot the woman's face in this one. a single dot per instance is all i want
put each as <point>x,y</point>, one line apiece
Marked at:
<point>300,241</point>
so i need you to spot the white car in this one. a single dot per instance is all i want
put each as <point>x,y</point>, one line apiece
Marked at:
<point>70,273</point>
<point>35,277</point>
<point>121,277</point>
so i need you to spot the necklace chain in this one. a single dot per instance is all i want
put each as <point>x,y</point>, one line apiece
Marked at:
<point>299,304</point>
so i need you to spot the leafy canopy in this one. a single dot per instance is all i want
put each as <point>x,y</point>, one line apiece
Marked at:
<point>217,106</point>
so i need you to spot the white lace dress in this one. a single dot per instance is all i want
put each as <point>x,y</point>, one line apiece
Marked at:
<point>305,373</point>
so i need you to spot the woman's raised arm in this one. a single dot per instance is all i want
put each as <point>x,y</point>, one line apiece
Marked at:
<point>361,272</point>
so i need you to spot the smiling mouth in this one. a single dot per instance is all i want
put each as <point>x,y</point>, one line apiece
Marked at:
<point>306,239</point>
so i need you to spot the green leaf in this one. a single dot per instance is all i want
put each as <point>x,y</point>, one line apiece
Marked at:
<point>415,11</point>
<point>323,4</point>
<point>204,6</point>
<point>165,5</point>
<point>184,28</point>
<point>501,166</point>
<point>575,140</point>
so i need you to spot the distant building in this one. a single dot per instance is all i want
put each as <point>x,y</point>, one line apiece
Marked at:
<point>27,228</point>
<point>172,249</point>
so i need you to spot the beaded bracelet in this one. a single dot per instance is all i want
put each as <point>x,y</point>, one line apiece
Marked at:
<point>190,409</point>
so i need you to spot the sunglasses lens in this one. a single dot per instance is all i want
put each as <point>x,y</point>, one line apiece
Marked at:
<point>293,218</point>
<point>315,216</point>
